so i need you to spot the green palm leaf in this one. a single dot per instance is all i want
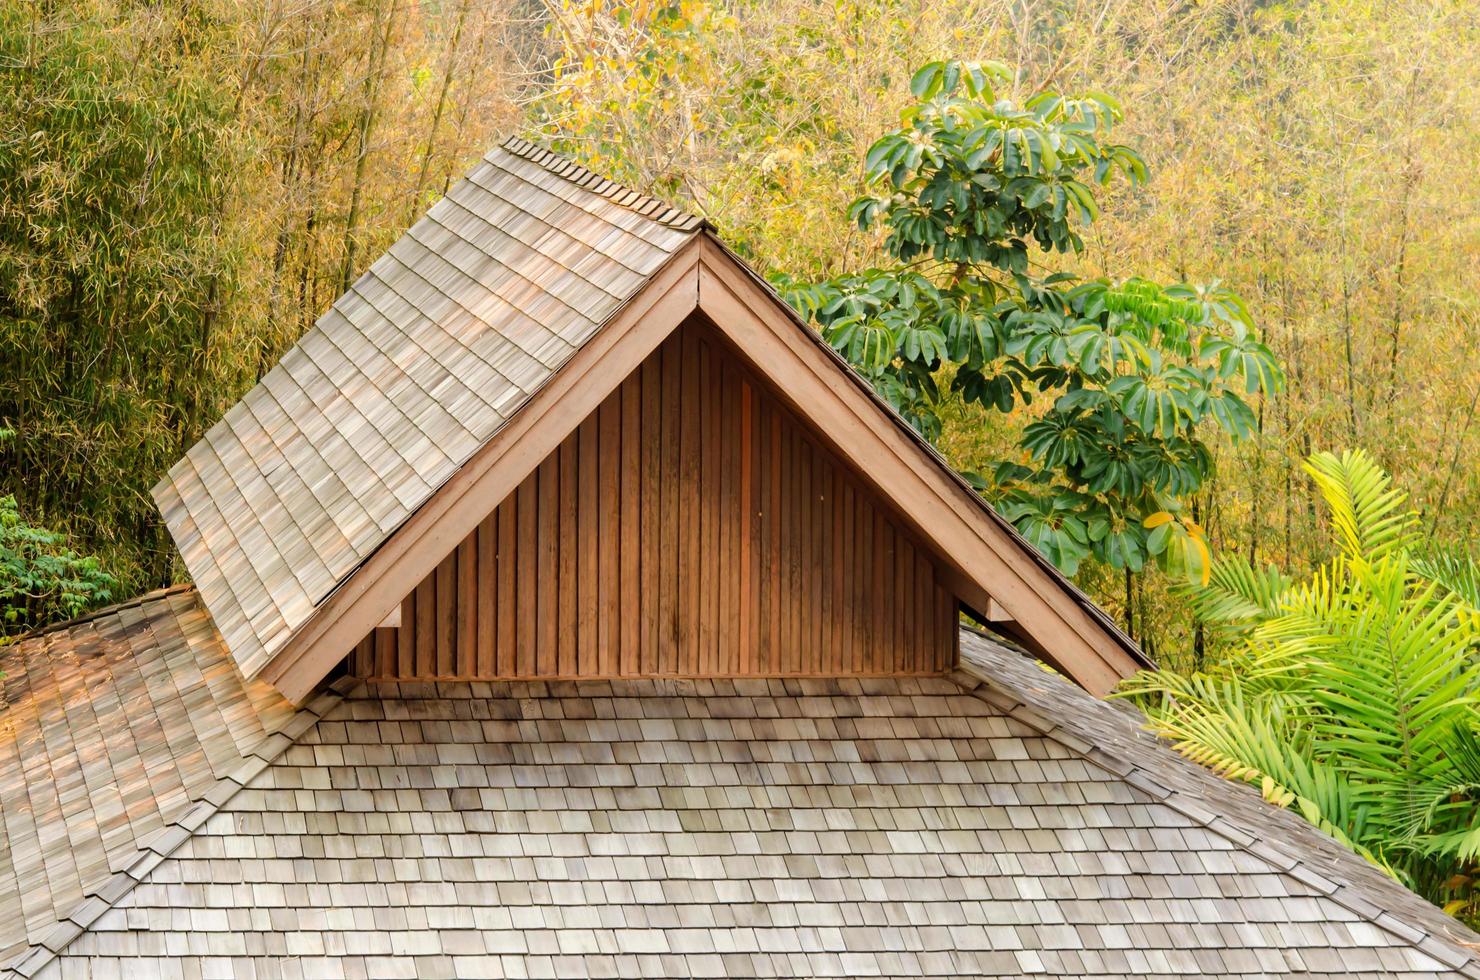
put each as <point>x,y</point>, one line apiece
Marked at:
<point>1238,596</point>
<point>1367,514</point>
<point>1353,697</point>
<point>1457,572</point>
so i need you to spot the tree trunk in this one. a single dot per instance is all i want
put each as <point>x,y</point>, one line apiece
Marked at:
<point>442,93</point>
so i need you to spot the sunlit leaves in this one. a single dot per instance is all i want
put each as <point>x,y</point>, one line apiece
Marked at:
<point>1052,524</point>
<point>41,578</point>
<point>1181,543</point>
<point>963,193</point>
<point>865,341</point>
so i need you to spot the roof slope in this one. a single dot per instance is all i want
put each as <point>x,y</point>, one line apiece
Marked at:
<point>851,827</point>
<point>1111,735</point>
<point>110,727</point>
<point>405,376</point>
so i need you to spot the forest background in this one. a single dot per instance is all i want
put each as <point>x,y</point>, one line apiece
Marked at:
<point>186,184</point>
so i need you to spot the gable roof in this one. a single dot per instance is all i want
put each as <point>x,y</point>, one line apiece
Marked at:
<point>111,726</point>
<point>467,352</point>
<point>998,822</point>
<point>432,350</point>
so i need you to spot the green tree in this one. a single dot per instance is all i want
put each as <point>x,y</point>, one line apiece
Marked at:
<point>114,270</point>
<point>969,195</point>
<point>1350,697</point>
<point>41,578</point>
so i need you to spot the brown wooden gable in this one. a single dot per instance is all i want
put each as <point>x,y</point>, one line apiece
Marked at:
<point>690,526</point>
<point>989,567</point>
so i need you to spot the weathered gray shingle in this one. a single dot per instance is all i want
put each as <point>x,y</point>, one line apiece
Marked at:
<point>431,351</point>
<point>735,828</point>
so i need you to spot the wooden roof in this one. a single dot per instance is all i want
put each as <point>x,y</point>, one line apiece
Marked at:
<point>464,356</point>
<point>431,351</point>
<point>111,727</point>
<point>995,822</point>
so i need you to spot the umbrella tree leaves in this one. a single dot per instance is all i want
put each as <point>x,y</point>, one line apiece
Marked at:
<point>1122,379</point>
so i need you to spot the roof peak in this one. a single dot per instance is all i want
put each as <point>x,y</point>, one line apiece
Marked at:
<point>646,205</point>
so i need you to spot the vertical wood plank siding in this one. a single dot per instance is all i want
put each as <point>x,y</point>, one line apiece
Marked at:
<point>692,526</point>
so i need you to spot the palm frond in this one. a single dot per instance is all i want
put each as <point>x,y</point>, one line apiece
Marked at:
<point>1354,696</point>
<point>1456,571</point>
<point>1370,517</point>
<point>1238,596</point>
<point>1264,741</point>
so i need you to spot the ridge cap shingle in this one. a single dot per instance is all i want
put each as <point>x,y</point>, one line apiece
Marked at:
<point>649,207</point>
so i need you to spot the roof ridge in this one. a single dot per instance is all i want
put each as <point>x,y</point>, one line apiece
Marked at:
<point>1451,951</point>
<point>144,597</point>
<point>159,845</point>
<point>646,205</point>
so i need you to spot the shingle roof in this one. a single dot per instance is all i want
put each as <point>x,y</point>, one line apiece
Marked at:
<point>427,355</point>
<point>111,727</point>
<point>908,826</point>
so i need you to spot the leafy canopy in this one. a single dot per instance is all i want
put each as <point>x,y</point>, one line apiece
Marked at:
<point>41,579</point>
<point>1352,697</point>
<point>965,194</point>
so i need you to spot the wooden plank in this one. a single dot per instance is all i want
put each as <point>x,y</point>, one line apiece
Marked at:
<point>797,567</point>
<point>587,542</point>
<point>547,583</point>
<point>486,586</point>
<point>817,567</point>
<point>842,528</point>
<point>729,426</point>
<point>507,558</point>
<point>630,592</point>
<point>776,542</point>
<point>527,584</point>
<point>745,534</point>
<point>567,547</point>
<point>385,651</point>
<point>465,660</point>
<point>426,627</point>
<point>668,510</point>
<point>921,610</point>
<point>690,453</point>
<point>862,612</point>
<point>711,498</point>
<point>903,589</point>
<point>652,469</point>
<point>406,638</point>
<point>446,613</point>
<point>882,600</point>
<point>609,568</point>
<point>810,595</point>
